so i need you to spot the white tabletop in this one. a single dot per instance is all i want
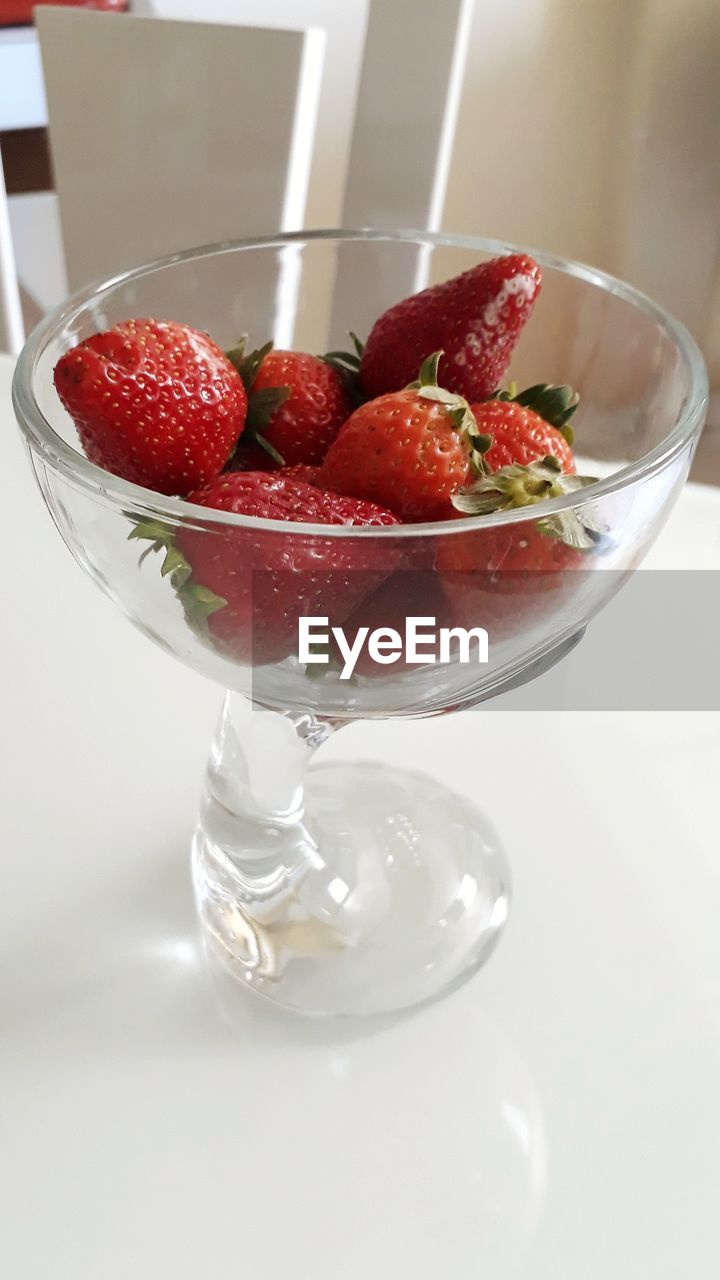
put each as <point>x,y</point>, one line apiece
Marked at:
<point>556,1119</point>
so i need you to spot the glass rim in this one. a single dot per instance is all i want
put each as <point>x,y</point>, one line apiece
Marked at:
<point>135,499</point>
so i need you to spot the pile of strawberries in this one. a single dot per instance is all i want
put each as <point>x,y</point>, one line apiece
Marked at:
<point>412,427</point>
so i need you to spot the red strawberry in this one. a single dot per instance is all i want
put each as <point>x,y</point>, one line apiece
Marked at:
<point>154,402</point>
<point>297,404</point>
<point>507,580</point>
<point>308,475</point>
<point>408,593</point>
<point>475,318</point>
<point>510,576</point>
<point>528,427</point>
<point>409,450</point>
<point>519,435</point>
<point>254,458</point>
<point>246,587</point>
<point>509,549</point>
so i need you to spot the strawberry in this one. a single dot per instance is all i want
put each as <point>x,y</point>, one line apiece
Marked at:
<point>528,427</point>
<point>508,581</point>
<point>297,404</point>
<point>309,475</point>
<point>507,576</point>
<point>154,402</point>
<point>244,588</point>
<point>254,457</point>
<point>476,318</point>
<point>409,450</point>
<point>407,593</point>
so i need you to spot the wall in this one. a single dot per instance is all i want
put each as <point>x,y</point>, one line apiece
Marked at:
<point>592,128</point>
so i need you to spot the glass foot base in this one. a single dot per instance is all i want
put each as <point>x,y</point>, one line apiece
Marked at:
<point>386,891</point>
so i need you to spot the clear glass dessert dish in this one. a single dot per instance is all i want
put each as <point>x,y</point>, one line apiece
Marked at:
<point>338,888</point>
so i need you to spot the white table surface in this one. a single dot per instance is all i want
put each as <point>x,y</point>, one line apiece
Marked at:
<point>556,1119</point>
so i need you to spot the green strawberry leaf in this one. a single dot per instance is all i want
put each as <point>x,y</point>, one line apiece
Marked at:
<point>261,404</point>
<point>525,486</point>
<point>556,405</point>
<point>155,530</point>
<point>261,407</point>
<point>428,375</point>
<point>248,365</point>
<point>154,546</point>
<point>346,360</point>
<point>198,602</point>
<point>459,411</point>
<point>176,565</point>
<point>347,364</point>
<point>567,527</point>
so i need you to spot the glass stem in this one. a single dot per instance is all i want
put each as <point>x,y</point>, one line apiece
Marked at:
<point>258,760</point>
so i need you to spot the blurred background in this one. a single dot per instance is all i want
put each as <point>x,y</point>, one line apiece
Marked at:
<point>586,127</point>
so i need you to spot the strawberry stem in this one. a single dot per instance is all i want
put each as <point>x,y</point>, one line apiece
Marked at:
<point>428,375</point>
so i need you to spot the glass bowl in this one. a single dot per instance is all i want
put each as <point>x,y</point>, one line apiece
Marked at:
<point>356,888</point>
